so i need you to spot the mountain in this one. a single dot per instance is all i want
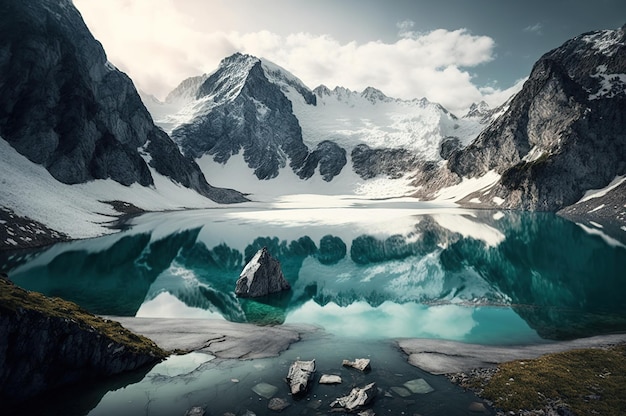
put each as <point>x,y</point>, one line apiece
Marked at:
<point>251,116</point>
<point>65,108</point>
<point>47,343</point>
<point>563,134</point>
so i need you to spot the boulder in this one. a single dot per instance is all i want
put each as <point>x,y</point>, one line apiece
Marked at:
<point>418,386</point>
<point>300,373</point>
<point>330,379</point>
<point>265,390</point>
<point>357,399</point>
<point>277,405</point>
<point>195,411</point>
<point>261,276</point>
<point>361,364</point>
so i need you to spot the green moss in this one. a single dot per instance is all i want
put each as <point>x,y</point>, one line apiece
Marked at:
<point>589,381</point>
<point>13,299</point>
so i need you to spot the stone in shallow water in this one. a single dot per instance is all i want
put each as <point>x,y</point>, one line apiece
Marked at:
<point>265,390</point>
<point>330,379</point>
<point>419,386</point>
<point>401,391</point>
<point>476,407</point>
<point>362,364</point>
<point>300,373</point>
<point>195,411</point>
<point>367,412</point>
<point>261,276</point>
<point>358,398</point>
<point>277,405</point>
<point>315,404</point>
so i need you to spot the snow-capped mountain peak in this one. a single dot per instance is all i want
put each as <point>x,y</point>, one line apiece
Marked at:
<point>479,109</point>
<point>373,95</point>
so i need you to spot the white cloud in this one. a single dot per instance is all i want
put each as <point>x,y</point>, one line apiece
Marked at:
<point>537,28</point>
<point>158,46</point>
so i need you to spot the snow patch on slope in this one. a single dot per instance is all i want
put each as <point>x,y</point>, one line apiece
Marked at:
<point>350,118</point>
<point>611,85</point>
<point>467,186</point>
<point>76,210</point>
<point>597,193</point>
<point>236,173</point>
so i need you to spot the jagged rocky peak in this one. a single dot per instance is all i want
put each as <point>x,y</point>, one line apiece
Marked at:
<point>64,106</point>
<point>322,90</point>
<point>244,110</point>
<point>186,90</point>
<point>227,82</point>
<point>479,109</point>
<point>373,95</point>
<point>286,79</point>
<point>563,133</point>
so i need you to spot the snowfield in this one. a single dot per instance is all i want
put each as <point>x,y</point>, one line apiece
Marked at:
<point>77,210</point>
<point>346,117</point>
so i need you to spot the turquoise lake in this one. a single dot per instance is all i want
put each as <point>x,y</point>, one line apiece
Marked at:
<point>366,273</point>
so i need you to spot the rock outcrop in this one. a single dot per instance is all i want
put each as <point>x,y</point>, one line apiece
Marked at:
<point>361,364</point>
<point>248,113</point>
<point>358,398</point>
<point>299,376</point>
<point>47,343</point>
<point>261,276</point>
<point>564,132</point>
<point>64,106</point>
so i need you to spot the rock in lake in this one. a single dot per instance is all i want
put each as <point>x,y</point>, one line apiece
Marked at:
<point>300,373</point>
<point>418,386</point>
<point>261,276</point>
<point>195,411</point>
<point>361,364</point>
<point>265,390</point>
<point>277,405</point>
<point>330,379</point>
<point>357,399</point>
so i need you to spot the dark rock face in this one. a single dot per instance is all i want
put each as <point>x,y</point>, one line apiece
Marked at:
<point>563,134</point>
<point>65,107</point>
<point>369,163</point>
<point>261,276</point>
<point>252,115</point>
<point>299,375</point>
<point>329,156</point>
<point>41,349</point>
<point>448,146</point>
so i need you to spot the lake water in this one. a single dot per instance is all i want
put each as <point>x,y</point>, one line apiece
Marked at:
<point>366,272</point>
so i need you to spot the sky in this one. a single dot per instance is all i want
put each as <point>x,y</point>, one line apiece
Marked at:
<point>454,52</point>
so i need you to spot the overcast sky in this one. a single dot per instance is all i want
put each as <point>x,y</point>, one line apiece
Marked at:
<point>454,52</point>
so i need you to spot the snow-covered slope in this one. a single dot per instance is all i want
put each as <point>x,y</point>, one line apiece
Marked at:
<point>282,128</point>
<point>78,210</point>
<point>350,118</point>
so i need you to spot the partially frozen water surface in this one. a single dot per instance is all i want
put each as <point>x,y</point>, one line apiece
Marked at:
<point>366,272</point>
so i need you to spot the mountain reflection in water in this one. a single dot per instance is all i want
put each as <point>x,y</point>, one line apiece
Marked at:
<point>385,273</point>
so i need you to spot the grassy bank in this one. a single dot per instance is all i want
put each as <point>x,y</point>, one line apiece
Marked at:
<point>579,382</point>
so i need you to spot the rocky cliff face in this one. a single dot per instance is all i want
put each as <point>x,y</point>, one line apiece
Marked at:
<point>47,343</point>
<point>64,106</point>
<point>248,113</point>
<point>563,134</point>
<point>253,106</point>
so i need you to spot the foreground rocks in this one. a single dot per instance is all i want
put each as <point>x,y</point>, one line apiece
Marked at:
<point>299,376</point>
<point>361,364</point>
<point>262,276</point>
<point>220,338</point>
<point>46,343</point>
<point>357,399</point>
<point>444,357</point>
